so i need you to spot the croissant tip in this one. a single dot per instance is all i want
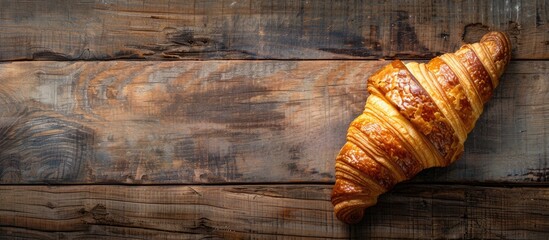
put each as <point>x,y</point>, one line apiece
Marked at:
<point>501,40</point>
<point>503,37</point>
<point>350,214</point>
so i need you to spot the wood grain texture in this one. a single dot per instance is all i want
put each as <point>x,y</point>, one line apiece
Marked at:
<point>248,29</point>
<point>232,121</point>
<point>268,212</point>
<point>457,212</point>
<point>194,212</point>
<point>178,122</point>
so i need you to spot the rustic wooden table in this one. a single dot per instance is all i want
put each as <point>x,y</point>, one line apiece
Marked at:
<point>221,119</point>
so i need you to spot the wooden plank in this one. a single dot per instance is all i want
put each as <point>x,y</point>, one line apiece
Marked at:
<point>232,121</point>
<point>249,29</point>
<point>269,211</point>
<point>169,211</point>
<point>178,122</point>
<point>457,212</point>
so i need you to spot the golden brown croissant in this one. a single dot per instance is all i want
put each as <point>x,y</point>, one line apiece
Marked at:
<point>416,117</point>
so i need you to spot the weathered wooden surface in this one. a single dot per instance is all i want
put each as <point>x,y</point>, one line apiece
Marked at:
<point>256,211</point>
<point>277,123</point>
<point>233,121</point>
<point>110,29</point>
<point>457,212</point>
<point>178,122</point>
<point>164,211</point>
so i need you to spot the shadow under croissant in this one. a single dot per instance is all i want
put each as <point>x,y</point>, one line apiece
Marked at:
<point>438,211</point>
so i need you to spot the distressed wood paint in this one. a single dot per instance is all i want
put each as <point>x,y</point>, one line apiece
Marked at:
<point>164,30</point>
<point>233,121</point>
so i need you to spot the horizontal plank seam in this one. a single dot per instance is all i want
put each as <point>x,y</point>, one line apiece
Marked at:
<point>170,184</point>
<point>253,60</point>
<point>166,231</point>
<point>235,184</point>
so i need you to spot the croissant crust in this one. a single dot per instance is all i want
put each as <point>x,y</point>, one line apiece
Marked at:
<point>417,116</point>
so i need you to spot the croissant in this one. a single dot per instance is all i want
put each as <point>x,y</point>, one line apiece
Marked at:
<point>417,116</point>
